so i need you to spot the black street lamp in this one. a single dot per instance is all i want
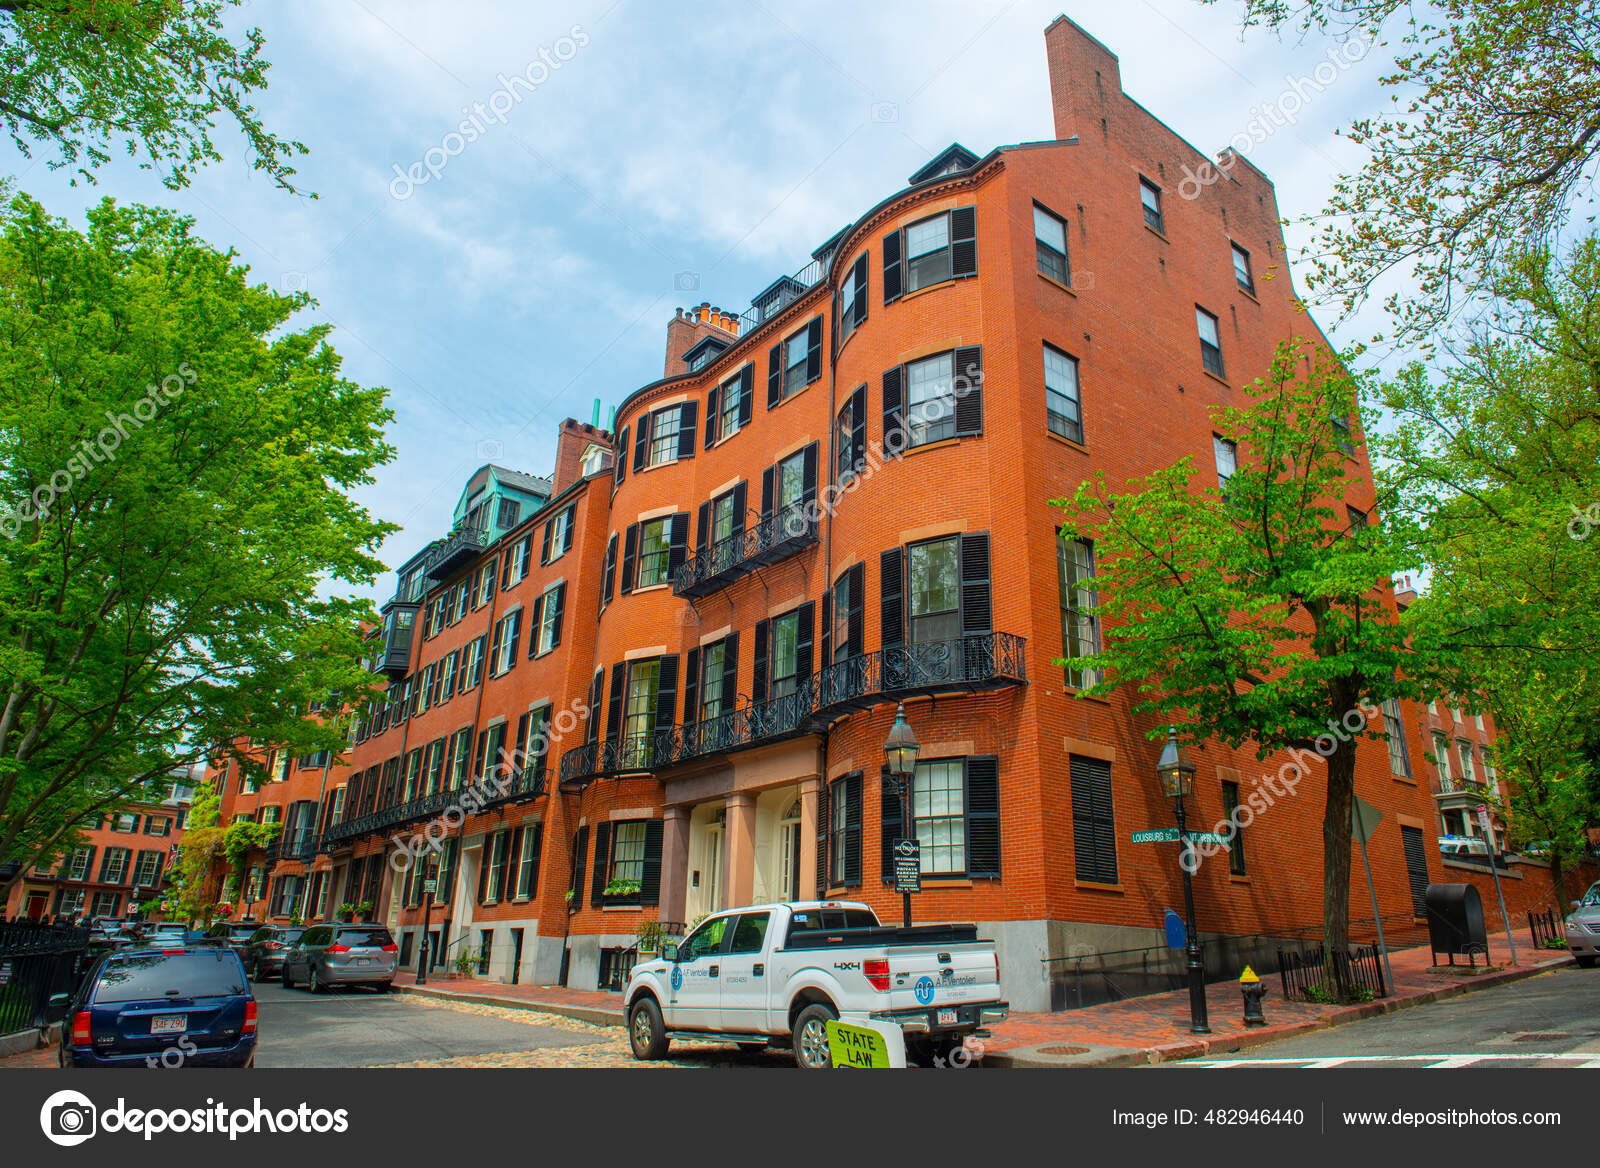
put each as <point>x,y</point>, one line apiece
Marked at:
<point>428,886</point>
<point>1176,774</point>
<point>901,748</point>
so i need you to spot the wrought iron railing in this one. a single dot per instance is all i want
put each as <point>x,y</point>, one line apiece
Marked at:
<point>464,542</point>
<point>298,845</point>
<point>1353,975</point>
<point>799,284</point>
<point>772,538</point>
<point>980,662</point>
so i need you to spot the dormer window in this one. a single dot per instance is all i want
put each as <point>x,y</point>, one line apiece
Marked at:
<point>593,460</point>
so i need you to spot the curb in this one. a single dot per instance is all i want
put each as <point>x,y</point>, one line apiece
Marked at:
<point>1028,1058</point>
<point>578,1013</point>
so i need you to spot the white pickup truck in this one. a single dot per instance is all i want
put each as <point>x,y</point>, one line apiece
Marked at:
<point>773,974</point>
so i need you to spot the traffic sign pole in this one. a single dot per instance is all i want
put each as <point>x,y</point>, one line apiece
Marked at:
<point>1494,869</point>
<point>1364,817</point>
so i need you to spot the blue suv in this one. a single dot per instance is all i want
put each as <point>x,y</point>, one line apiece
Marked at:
<point>161,1008</point>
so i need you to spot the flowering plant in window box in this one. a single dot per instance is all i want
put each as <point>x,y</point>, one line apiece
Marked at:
<point>223,911</point>
<point>621,889</point>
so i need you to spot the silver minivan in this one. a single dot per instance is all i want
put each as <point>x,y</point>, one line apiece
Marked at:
<point>330,955</point>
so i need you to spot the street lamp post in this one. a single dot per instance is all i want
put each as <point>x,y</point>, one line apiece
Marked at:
<point>901,748</point>
<point>1176,774</point>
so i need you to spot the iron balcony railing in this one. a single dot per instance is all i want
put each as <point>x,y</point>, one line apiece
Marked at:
<point>774,537</point>
<point>298,845</point>
<point>787,292</point>
<point>524,784</point>
<point>983,661</point>
<point>460,546</point>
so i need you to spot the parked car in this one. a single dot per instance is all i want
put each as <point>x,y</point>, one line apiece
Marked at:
<point>234,935</point>
<point>330,955</point>
<point>264,952</point>
<point>774,974</point>
<point>160,1007</point>
<point>1583,928</point>
<point>160,933</point>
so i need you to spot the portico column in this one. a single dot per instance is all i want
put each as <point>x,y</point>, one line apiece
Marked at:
<point>740,838</point>
<point>810,789</point>
<point>674,863</point>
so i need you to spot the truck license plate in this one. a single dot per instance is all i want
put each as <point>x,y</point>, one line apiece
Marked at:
<point>168,1023</point>
<point>947,1018</point>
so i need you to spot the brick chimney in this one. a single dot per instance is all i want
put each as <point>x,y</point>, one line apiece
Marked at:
<point>572,440</point>
<point>692,325</point>
<point>1085,80</point>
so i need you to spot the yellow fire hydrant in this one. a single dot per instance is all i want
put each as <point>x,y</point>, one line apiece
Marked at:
<point>1254,990</point>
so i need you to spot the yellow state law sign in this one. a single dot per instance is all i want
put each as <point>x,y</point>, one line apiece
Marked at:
<point>856,1047</point>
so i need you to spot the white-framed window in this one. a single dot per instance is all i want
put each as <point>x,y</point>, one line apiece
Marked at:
<point>77,867</point>
<point>1050,245</point>
<point>1394,729</point>
<point>147,869</point>
<point>627,851</point>
<point>1080,619</point>
<point>1241,270</point>
<point>847,299</point>
<point>1441,760</point>
<point>730,398</point>
<point>1150,200</point>
<point>560,533</point>
<point>931,399</point>
<point>516,563</point>
<point>1464,752</point>
<point>125,821</point>
<point>593,460</point>
<point>795,352</point>
<point>1226,452</point>
<point>928,252</point>
<point>664,427</point>
<point>528,862</point>
<point>114,868</point>
<point>496,859</point>
<point>1063,410</point>
<point>933,580</point>
<point>655,547</point>
<point>938,816</point>
<point>1210,341</point>
<point>507,633</point>
<point>549,616</point>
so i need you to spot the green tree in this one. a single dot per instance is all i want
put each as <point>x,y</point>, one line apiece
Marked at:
<point>1258,615</point>
<point>83,77</point>
<point>177,460</point>
<point>1487,147</point>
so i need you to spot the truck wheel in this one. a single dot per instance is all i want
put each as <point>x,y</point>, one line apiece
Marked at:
<point>811,1038</point>
<point>1585,961</point>
<point>647,1034</point>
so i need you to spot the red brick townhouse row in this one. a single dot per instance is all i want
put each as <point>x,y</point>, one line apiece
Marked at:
<point>680,655</point>
<point>124,859</point>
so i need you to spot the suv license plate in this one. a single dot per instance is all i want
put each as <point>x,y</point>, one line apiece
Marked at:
<point>947,1018</point>
<point>169,1023</point>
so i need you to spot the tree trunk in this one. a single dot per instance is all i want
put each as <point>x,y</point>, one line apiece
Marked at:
<point>1336,850</point>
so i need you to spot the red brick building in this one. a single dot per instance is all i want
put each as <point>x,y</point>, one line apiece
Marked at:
<point>686,653</point>
<point>124,860</point>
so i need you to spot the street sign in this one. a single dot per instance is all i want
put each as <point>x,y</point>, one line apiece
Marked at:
<point>908,865</point>
<point>1364,819</point>
<point>430,886</point>
<point>1157,835</point>
<point>853,1047</point>
<point>1207,837</point>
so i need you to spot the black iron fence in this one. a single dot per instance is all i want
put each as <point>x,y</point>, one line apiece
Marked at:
<point>1546,934</point>
<point>37,961</point>
<point>1313,975</point>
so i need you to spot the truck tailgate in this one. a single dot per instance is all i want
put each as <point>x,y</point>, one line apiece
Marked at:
<point>923,976</point>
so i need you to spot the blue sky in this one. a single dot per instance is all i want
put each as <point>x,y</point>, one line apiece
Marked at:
<point>538,270</point>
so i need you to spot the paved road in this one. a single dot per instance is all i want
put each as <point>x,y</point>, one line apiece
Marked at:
<point>1552,1020</point>
<point>361,1028</point>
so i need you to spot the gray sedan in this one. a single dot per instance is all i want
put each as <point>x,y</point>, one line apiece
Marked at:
<point>1583,928</point>
<point>330,955</point>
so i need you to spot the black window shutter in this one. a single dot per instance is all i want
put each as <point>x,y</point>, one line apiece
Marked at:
<point>739,505</point>
<point>536,622</point>
<point>516,635</point>
<point>859,308</point>
<point>1416,853</point>
<point>964,241</point>
<point>892,596</point>
<point>560,601</point>
<point>852,828</point>
<point>804,635</point>
<point>580,851</point>
<point>814,349</point>
<point>808,474</point>
<point>667,692</point>
<point>505,572</point>
<point>572,526</point>
<point>758,684</point>
<point>650,882</point>
<point>602,863</point>
<point>678,542</point>
<point>824,822</point>
<point>483,867</point>
<point>482,763</point>
<point>712,412</point>
<point>977,615</point>
<point>730,671</point>
<point>825,656</point>
<point>1094,841</point>
<point>619,673</point>
<point>774,376</point>
<point>767,490</point>
<point>630,547</point>
<point>891,267</point>
<point>622,455</point>
<point>858,431</point>
<point>983,816</point>
<point>969,390</point>
<point>535,854</point>
<point>544,552</point>
<point>893,421</point>
<point>596,694</point>
<point>858,606</point>
<point>688,427</point>
<point>702,535</point>
<point>891,807</point>
<point>611,571</point>
<point>691,687</point>
<point>512,864</point>
<point>747,393</point>
<point>641,441</point>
